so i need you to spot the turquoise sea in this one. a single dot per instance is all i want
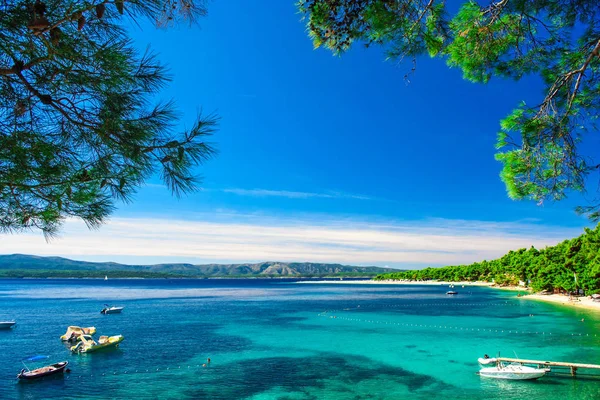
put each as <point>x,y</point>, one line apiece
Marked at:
<point>277,339</point>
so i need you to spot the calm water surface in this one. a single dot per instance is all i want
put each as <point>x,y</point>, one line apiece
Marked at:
<point>275,339</point>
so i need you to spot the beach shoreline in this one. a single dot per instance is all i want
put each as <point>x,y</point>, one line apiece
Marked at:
<point>559,299</point>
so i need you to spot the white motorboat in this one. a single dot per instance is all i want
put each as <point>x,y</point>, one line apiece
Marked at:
<point>513,371</point>
<point>7,324</point>
<point>111,310</point>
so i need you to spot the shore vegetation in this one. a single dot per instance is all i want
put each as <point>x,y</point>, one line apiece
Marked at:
<point>569,266</point>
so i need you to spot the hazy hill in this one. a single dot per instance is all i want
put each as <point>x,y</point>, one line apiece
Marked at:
<point>26,265</point>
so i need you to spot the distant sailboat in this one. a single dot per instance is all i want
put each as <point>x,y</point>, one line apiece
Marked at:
<point>105,277</point>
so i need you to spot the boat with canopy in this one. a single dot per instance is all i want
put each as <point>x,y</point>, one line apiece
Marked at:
<point>53,369</point>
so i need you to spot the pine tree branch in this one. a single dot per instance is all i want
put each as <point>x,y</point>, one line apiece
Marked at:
<point>581,71</point>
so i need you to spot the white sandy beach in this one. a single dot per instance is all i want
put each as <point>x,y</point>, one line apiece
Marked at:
<point>578,302</point>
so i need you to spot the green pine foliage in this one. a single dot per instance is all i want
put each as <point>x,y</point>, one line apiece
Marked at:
<point>540,145</point>
<point>547,269</point>
<point>79,127</point>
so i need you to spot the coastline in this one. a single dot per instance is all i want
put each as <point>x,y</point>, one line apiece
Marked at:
<point>559,299</point>
<point>393,282</point>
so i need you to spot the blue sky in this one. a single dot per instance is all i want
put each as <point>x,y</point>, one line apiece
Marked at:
<point>334,147</point>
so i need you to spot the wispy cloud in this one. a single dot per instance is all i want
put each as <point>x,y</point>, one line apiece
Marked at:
<point>295,195</point>
<point>407,244</point>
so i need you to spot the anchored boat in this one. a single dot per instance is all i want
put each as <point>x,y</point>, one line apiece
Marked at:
<point>111,310</point>
<point>513,371</point>
<point>87,344</point>
<point>48,370</point>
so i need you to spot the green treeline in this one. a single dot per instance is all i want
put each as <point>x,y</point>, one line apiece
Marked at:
<point>548,269</point>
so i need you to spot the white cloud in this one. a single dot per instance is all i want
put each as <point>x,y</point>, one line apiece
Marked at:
<point>252,239</point>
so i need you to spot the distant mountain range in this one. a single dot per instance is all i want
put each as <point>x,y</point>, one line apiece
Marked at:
<point>22,266</point>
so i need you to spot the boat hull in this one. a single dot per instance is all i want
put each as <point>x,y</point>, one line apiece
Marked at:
<point>115,310</point>
<point>525,373</point>
<point>58,368</point>
<point>7,324</point>
<point>82,348</point>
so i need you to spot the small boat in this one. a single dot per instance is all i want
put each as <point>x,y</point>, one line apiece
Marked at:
<point>512,371</point>
<point>105,277</point>
<point>74,333</point>
<point>7,324</point>
<point>28,374</point>
<point>111,310</point>
<point>451,292</point>
<point>88,345</point>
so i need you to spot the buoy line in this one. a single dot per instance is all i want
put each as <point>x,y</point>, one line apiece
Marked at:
<point>138,371</point>
<point>407,305</point>
<point>456,328</point>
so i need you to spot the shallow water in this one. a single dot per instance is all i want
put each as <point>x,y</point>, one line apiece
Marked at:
<point>275,339</point>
